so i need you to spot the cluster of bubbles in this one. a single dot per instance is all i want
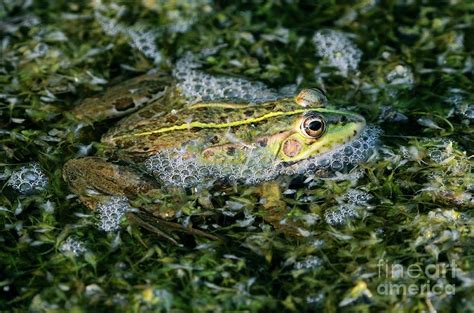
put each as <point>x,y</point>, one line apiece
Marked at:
<point>401,75</point>
<point>140,38</point>
<point>144,41</point>
<point>28,179</point>
<point>438,150</point>
<point>357,196</point>
<point>111,212</point>
<point>463,108</point>
<point>180,16</point>
<point>74,246</point>
<point>197,85</point>
<point>351,202</point>
<point>108,25</point>
<point>337,50</point>
<point>309,262</point>
<point>173,168</point>
<point>340,215</point>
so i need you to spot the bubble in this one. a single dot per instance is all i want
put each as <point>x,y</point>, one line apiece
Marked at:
<point>337,50</point>
<point>337,165</point>
<point>348,151</point>
<point>28,179</point>
<point>324,163</point>
<point>436,155</point>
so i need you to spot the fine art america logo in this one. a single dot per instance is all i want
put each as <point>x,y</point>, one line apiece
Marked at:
<point>415,279</point>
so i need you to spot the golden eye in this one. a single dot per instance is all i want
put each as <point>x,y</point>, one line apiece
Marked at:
<point>313,127</point>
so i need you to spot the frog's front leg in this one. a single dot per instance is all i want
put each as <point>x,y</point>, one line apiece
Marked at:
<point>275,208</point>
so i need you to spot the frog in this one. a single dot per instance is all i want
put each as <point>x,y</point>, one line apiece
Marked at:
<point>164,141</point>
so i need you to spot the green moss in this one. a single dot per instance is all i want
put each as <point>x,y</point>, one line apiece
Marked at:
<point>54,53</point>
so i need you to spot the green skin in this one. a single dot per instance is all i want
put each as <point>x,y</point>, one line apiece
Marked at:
<point>170,122</point>
<point>213,132</point>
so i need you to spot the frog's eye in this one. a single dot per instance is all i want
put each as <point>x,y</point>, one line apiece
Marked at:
<point>313,127</point>
<point>313,97</point>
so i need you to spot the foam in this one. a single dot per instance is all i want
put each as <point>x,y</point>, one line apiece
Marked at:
<point>401,75</point>
<point>341,214</point>
<point>139,37</point>
<point>172,168</point>
<point>144,41</point>
<point>358,197</point>
<point>310,262</point>
<point>74,246</point>
<point>197,85</point>
<point>349,205</point>
<point>337,50</point>
<point>28,179</point>
<point>111,212</point>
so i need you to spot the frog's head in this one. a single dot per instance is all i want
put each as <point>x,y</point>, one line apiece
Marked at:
<point>299,129</point>
<point>315,132</point>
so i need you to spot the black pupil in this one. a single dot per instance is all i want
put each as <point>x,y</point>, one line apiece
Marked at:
<point>315,125</point>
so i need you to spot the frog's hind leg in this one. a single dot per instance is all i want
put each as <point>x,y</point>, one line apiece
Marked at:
<point>161,227</point>
<point>94,180</point>
<point>97,181</point>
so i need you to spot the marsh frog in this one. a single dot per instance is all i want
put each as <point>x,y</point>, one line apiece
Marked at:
<point>166,141</point>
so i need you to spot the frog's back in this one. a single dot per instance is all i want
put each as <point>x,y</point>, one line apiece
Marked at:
<point>172,121</point>
<point>157,114</point>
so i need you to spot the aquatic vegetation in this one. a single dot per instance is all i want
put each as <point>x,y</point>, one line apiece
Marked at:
<point>392,234</point>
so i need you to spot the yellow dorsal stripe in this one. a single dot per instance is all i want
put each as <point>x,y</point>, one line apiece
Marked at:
<point>220,105</point>
<point>214,125</point>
